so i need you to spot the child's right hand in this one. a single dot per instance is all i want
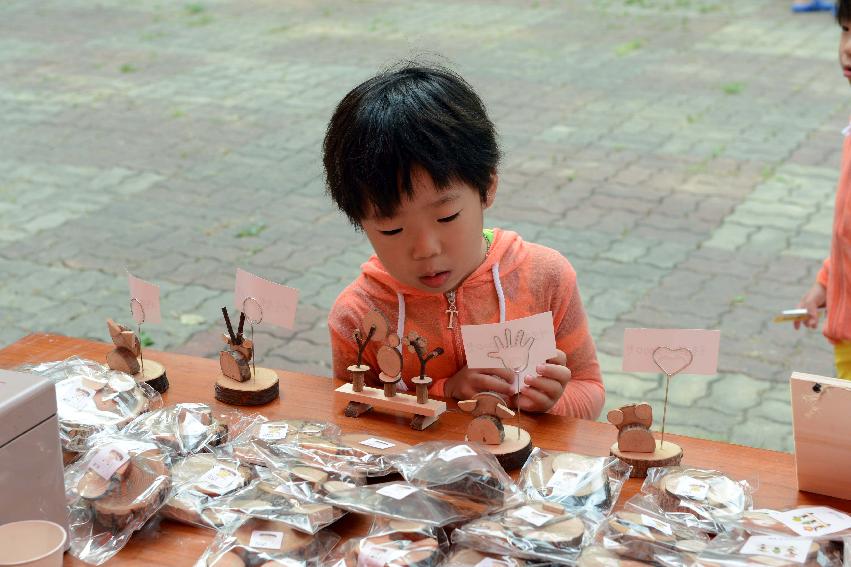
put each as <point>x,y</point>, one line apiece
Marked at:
<point>815,298</point>
<point>468,382</point>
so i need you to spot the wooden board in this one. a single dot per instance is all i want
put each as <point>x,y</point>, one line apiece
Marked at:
<point>821,421</point>
<point>312,397</point>
<point>153,374</point>
<point>261,389</point>
<point>666,455</point>
<point>399,403</point>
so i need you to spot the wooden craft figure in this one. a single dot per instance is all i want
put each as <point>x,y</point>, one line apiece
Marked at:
<point>510,445</point>
<point>241,382</point>
<point>362,398</point>
<point>636,445</point>
<point>127,357</point>
<point>633,423</point>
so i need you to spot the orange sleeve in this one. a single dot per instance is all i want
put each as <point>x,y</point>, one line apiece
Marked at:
<point>823,273</point>
<point>585,394</point>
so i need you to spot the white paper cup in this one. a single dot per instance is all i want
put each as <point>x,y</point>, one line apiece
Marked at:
<point>32,543</point>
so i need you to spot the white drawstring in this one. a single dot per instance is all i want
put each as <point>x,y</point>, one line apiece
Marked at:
<point>500,295</point>
<point>846,131</point>
<point>400,330</point>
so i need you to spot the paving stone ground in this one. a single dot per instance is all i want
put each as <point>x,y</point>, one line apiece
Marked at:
<point>683,154</point>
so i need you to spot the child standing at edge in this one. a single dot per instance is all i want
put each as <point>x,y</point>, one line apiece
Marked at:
<point>832,288</point>
<point>410,157</point>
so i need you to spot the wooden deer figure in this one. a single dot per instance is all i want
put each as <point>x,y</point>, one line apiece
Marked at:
<point>488,412</point>
<point>235,359</point>
<point>633,422</point>
<point>128,348</point>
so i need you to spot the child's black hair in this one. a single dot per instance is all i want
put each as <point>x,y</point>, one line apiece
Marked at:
<point>843,12</point>
<point>410,115</point>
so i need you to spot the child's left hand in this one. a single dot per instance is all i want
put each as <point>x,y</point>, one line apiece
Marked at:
<point>540,393</point>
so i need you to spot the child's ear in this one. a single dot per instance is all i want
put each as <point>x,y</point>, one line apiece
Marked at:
<point>491,194</point>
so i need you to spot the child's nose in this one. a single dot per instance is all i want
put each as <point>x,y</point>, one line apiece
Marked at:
<point>426,245</point>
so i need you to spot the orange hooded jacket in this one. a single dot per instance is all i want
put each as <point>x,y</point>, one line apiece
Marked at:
<point>532,278</point>
<point>835,274</point>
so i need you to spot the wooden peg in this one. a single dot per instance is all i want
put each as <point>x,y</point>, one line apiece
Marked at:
<point>422,384</point>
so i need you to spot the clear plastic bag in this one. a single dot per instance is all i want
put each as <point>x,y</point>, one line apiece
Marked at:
<point>715,500</point>
<point>394,543</point>
<point>184,428</point>
<point>542,531</point>
<point>406,501</point>
<point>817,522</point>
<point>112,491</point>
<point>642,537</point>
<point>598,556</point>
<point>461,556</point>
<point>91,398</point>
<point>271,499</point>
<point>462,471</point>
<point>199,481</point>
<point>771,550</point>
<point>258,542</point>
<point>274,433</point>
<point>577,482</point>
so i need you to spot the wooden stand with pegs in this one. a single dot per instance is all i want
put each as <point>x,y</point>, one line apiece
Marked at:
<point>241,383</point>
<point>509,444</point>
<point>127,357</point>
<point>362,398</point>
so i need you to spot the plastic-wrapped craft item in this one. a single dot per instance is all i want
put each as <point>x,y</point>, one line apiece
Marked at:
<point>461,471</point>
<point>641,537</point>
<point>575,481</point>
<point>769,550</point>
<point>817,522</point>
<point>542,531</point>
<point>598,556</point>
<point>405,501</point>
<point>369,455</point>
<point>271,499</point>
<point>394,543</point>
<point>460,556</point>
<point>184,428</point>
<point>713,498</point>
<point>113,490</point>
<point>275,432</point>
<point>266,543</point>
<point>91,398</point>
<point>199,480</point>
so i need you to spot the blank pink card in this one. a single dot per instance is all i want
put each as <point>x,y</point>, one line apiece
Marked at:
<point>640,344</point>
<point>146,294</point>
<point>264,301</point>
<point>821,418</point>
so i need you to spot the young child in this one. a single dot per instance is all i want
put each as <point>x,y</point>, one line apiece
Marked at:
<point>832,288</point>
<point>410,157</point>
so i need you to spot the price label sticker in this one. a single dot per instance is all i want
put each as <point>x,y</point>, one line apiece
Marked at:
<point>813,521</point>
<point>220,479</point>
<point>108,460</point>
<point>788,548</point>
<point>377,443</point>
<point>456,452</point>
<point>397,491</point>
<point>71,394</point>
<point>534,517</point>
<point>692,488</point>
<point>274,431</point>
<point>266,540</point>
<point>564,482</point>
<point>657,524</point>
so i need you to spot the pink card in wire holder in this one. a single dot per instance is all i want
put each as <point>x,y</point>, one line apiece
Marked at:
<point>264,301</point>
<point>672,351</point>
<point>144,300</point>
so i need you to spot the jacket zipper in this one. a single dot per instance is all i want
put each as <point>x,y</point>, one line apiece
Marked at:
<point>453,310</point>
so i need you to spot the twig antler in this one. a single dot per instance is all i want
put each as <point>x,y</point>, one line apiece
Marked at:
<point>363,342</point>
<point>417,344</point>
<point>230,327</point>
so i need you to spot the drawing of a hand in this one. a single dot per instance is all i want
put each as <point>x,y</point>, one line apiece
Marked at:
<point>514,355</point>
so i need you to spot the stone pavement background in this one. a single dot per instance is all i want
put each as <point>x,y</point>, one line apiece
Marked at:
<point>682,154</point>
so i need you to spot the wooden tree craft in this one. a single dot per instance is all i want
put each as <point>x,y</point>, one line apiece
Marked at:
<point>417,345</point>
<point>236,358</point>
<point>377,328</point>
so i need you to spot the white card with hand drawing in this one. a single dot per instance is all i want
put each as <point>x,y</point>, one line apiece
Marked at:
<point>519,345</point>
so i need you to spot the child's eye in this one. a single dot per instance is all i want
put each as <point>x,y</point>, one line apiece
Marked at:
<point>450,218</point>
<point>844,28</point>
<point>391,232</point>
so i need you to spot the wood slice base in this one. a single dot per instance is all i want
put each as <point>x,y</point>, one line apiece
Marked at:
<point>513,451</point>
<point>261,389</point>
<point>664,456</point>
<point>153,374</point>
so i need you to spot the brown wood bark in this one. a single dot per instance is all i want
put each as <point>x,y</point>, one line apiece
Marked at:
<point>486,429</point>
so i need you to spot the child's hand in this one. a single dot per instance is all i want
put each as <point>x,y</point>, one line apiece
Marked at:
<point>540,393</point>
<point>468,382</point>
<point>816,297</point>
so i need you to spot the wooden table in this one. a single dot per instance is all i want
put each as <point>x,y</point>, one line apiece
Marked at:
<point>305,396</point>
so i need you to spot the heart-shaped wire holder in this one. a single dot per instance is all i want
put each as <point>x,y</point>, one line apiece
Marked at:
<point>669,373</point>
